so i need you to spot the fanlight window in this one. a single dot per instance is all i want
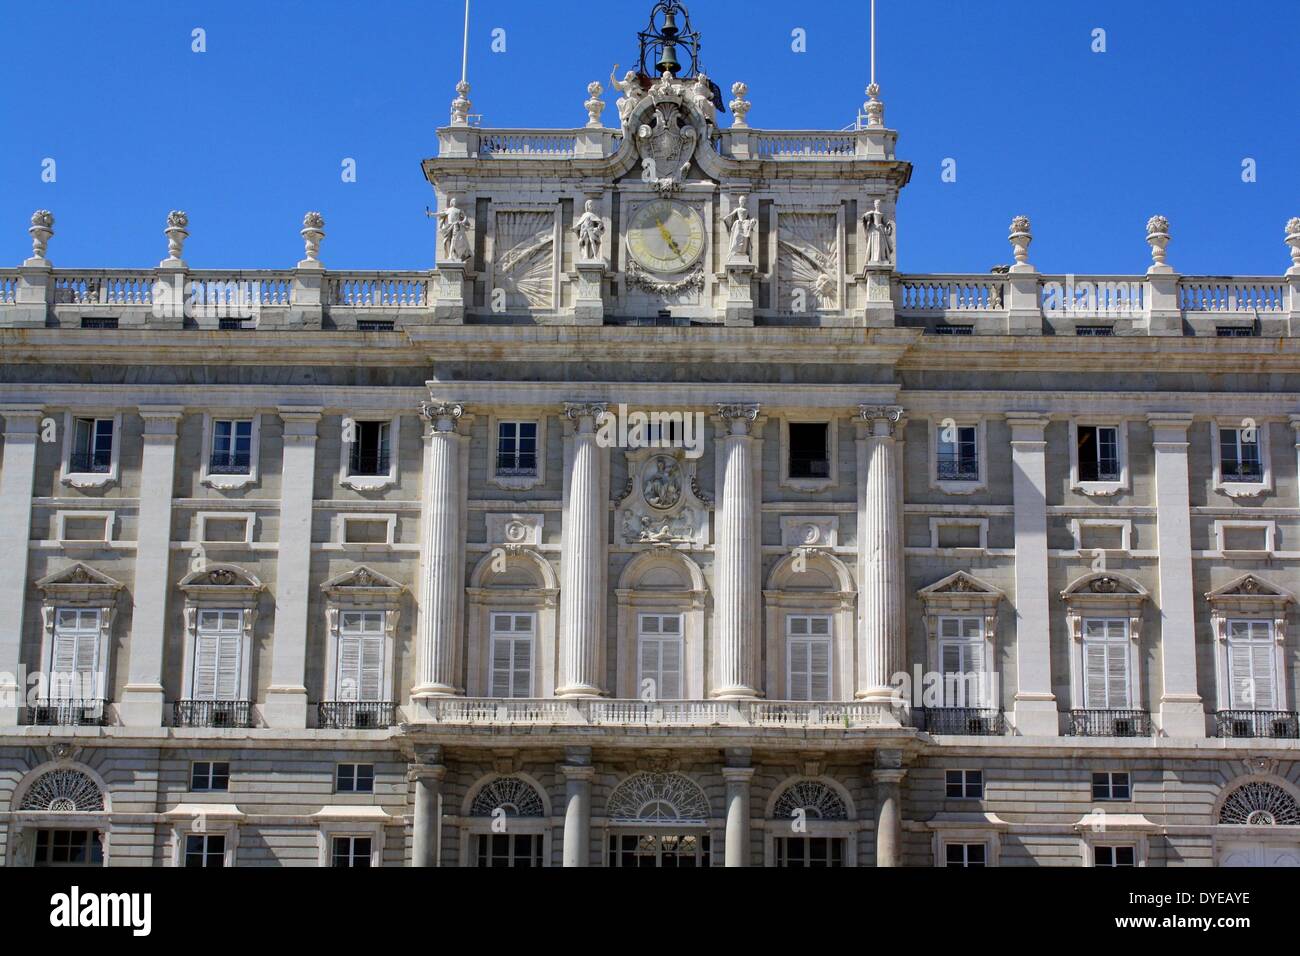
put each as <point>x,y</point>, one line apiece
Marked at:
<point>64,791</point>
<point>1260,804</point>
<point>817,800</point>
<point>658,798</point>
<point>517,797</point>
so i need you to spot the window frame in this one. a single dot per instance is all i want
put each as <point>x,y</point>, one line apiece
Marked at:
<point>99,594</point>
<point>211,776</point>
<point>346,593</point>
<point>230,482</point>
<point>1263,602</point>
<point>530,415</point>
<point>963,783</point>
<point>87,480</point>
<point>1220,539</point>
<point>379,482</point>
<point>952,486</point>
<point>680,640</point>
<point>1242,489</point>
<point>1100,487</point>
<point>1108,786</point>
<point>355,775</point>
<point>493,635</point>
<point>790,639</point>
<point>832,424</point>
<point>1122,646</point>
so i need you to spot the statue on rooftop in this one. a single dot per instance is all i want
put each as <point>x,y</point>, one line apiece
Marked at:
<point>880,236</point>
<point>591,230</point>
<point>630,87</point>
<point>741,228</point>
<point>453,226</point>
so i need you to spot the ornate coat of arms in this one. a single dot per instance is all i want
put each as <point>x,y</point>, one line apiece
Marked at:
<point>662,504</point>
<point>666,145</point>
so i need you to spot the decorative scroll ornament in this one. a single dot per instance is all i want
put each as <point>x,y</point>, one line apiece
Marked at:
<point>443,415</point>
<point>574,411</point>
<point>666,145</point>
<point>816,799</point>
<point>891,414</point>
<point>643,280</point>
<point>730,412</point>
<point>1258,803</point>
<point>64,791</point>
<point>515,796</point>
<point>657,798</point>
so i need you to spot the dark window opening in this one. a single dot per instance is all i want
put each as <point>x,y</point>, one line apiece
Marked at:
<point>1098,453</point>
<point>810,450</point>
<point>370,451</point>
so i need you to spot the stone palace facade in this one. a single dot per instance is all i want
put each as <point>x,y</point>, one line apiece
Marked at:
<point>663,523</point>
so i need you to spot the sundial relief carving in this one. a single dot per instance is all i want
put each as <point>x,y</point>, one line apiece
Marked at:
<point>663,504</point>
<point>808,261</point>
<point>525,257</point>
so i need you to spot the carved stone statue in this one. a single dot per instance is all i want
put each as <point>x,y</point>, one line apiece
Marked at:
<point>742,228</point>
<point>701,95</point>
<point>591,230</point>
<point>453,226</point>
<point>880,236</point>
<point>663,486</point>
<point>630,87</point>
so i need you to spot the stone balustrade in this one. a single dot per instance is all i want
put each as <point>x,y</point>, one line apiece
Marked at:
<point>671,713</point>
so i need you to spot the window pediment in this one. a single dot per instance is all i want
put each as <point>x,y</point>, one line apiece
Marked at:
<point>79,583</point>
<point>363,585</point>
<point>221,581</point>
<point>1249,591</point>
<point>961,591</point>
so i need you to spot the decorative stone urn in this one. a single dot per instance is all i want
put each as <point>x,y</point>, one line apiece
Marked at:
<point>1293,240</point>
<point>1020,238</point>
<point>1158,239</point>
<point>740,106</point>
<point>176,234</point>
<point>313,231</point>
<point>41,229</point>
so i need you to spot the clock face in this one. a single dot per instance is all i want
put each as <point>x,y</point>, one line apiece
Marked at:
<point>666,236</point>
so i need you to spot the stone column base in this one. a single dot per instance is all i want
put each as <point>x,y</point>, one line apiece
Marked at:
<point>1037,717</point>
<point>285,707</point>
<point>1182,718</point>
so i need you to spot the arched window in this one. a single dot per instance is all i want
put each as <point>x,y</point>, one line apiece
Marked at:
<point>658,820</point>
<point>515,796</point>
<point>658,798</point>
<point>816,799</point>
<point>512,598</point>
<point>506,823</point>
<point>810,599</point>
<point>1259,803</point>
<point>810,824</point>
<point>63,791</point>
<point>660,628</point>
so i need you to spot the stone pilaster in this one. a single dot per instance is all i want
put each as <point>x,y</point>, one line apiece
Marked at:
<point>286,697</point>
<point>578,774</point>
<point>882,644</point>
<point>736,559</point>
<point>1182,713</point>
<point>442,566</point>
<point>738,775</point>
<point>427,774</point>
<point>888,776</point>
<point>1035,705</point>
<point>142,698</point>
<point>584,560</point>
<point>17,473</point>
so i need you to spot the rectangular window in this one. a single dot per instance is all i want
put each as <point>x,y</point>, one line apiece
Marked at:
<point>92,446</point>
<point>209,775</point>
<point>660,651</point>
<point>1239,455</point>
<point>1094,330</point>
<point>1251,665</point>
<point>350,851</point>
<point>370,454</point>
<point>810,455</point>
<point>958,453</point>
<point>512,654</point>
<point>666,850</point>
<point>964,784</point>
<point>375,325</point>
<point>203,849</point>
<point>961,658</point>
<point>98,322</point>
<point>1111,785</point>
<point>232,447</point>
<point>1111,856</point>
<point>1105,664</point>
<point>808,656</point>
<point>1234,331</point>
<point>218,649</point>
<point>355,778</point>
<point>954,330</point>
<point>509,849</point>
<point>68,848</point>
<point>74,655</point>
<point>517,448</point>
<point>965,854</point>
<point>1098,447</point>
<point>809,852</point>
<point>360,656</point>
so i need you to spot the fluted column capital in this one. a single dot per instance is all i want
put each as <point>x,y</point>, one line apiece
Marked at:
<point>881,418</point>
<point>585,415</point>
<point>738,416</point>
<point>442,416</point>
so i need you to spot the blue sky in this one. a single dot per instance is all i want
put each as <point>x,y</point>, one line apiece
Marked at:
<point>249,135</point>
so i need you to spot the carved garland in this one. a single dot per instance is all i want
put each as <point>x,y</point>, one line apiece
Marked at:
<point>639,278</point>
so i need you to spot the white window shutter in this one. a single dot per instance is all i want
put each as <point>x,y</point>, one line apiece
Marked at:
<point>1262,669</point>
<point>501,667</point>
<point>349,676</point>
<point>798,676</point>
<point>1117,676</point>
<point>228,665</point>
<point>1094,681</point>
<point>670,670</point>
<point>522,683</point>
<point>819,666</point>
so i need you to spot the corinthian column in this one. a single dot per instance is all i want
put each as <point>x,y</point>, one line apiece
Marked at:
<point>442,569</point>
<point>736,559</point>
<point>582,591</point>
<point>881,640</point>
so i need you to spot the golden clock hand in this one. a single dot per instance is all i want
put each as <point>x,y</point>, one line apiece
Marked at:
<point>668,238</point>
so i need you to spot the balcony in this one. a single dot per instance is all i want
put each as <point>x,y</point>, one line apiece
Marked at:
<point>70,712</point>
<point>966,721</point>
<point>91,462</point>
<point>355,714</point>
<point>553,711</point>
<point>1110,723</point>
<point>956,467</point>
<point>212,713</point>
<point>1257,723</point>
<point>230,463</point>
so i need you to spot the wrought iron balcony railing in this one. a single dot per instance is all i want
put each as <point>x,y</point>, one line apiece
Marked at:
<point>212,713</point>
<point>955,467</point>
<point>355,714</point>
<point>91,462</point>
<point>969,721</point>
<point>1110,723</point>
<point>1258,723</point>
<point>230,463</point>
<point>1239,470</point>
<point>368,463</point>
<point>70,712</point>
